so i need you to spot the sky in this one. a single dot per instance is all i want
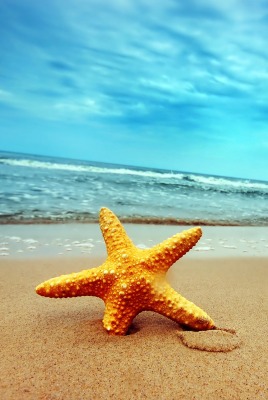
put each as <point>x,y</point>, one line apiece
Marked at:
<point>174,84</point>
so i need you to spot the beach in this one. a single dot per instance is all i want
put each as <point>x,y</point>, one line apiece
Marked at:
<point>58,349</point>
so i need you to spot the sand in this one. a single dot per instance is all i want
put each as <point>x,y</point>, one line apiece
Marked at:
<point>58,349</point>
<point>82,240</point>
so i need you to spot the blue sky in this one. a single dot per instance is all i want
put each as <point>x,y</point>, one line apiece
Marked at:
<point>181,85</point>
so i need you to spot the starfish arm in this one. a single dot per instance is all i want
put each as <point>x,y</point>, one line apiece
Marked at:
<point>163,255</point>
<point>174,306</point>
<point>114,234</point>
<point>91,282</point>
<point>117,318</point>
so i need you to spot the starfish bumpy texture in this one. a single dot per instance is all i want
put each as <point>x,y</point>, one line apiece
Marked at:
<point>132,280</point>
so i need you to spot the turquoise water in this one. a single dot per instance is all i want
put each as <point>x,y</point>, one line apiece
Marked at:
<point>46,189</point>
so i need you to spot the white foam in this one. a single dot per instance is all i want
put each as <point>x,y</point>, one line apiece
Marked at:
<point>4,248</point>
<point>84,245</point>
<point>30,241</point>
<point>203,248</point>
<point>237,183</point>
<point>16,238</point>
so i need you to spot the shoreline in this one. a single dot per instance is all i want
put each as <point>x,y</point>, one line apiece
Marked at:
<point>136,220</point>
<point>84,240</point>
<point>57,348</point>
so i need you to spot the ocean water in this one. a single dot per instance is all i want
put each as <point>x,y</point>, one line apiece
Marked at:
<point>37,189</point>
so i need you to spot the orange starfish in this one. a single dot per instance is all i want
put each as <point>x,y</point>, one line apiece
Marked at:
<point>132,280</point>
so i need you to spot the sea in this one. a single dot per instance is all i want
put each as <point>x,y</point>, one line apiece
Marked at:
<point>37,189</point>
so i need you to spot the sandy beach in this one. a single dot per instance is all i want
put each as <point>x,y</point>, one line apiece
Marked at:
<point>58,349</point>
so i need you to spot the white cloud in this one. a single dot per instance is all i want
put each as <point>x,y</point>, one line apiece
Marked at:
<point>85,107</point>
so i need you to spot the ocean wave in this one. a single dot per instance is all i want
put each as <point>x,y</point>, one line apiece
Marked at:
<point>165,177</point>
<point>88,168</point>
<point>225,182</point>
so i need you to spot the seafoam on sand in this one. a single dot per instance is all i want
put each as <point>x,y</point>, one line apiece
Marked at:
<point>86,239</point>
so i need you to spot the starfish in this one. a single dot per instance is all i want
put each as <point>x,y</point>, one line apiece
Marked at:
<point>132,280</point>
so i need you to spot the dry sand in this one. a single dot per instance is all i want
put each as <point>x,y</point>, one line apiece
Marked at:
<point>58,349</point>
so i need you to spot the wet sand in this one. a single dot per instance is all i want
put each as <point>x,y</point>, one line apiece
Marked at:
<point>58,349</point>
<point>82,240</point>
